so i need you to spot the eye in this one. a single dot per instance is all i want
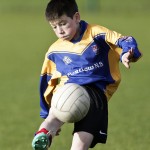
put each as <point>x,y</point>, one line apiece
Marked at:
<point>54,27</point>
<point>63,23</point>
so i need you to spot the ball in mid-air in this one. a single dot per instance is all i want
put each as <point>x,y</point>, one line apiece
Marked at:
<point>70,103</point>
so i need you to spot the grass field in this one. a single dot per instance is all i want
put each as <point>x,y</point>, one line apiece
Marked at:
<point>25,37</point>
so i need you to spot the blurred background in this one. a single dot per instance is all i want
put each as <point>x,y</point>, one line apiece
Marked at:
<point>25,37</point>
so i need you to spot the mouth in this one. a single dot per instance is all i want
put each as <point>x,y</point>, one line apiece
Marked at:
<point>65,37</point>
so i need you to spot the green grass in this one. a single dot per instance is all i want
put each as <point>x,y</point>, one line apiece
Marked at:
<point>25,37</point>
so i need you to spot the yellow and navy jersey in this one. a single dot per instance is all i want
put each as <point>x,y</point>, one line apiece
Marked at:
<point>93,58</point>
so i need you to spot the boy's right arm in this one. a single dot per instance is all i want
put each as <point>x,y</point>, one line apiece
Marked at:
<point>47,85</point>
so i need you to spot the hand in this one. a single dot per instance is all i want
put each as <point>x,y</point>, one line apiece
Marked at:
<point>127,58</point>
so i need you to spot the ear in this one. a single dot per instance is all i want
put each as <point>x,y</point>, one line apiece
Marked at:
<point>77,17</point>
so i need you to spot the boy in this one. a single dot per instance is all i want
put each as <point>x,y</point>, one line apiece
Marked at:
<point>87,55</point>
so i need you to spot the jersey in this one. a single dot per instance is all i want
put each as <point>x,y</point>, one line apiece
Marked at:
<point>93,58</point>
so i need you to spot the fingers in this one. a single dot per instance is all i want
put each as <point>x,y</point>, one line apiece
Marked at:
<point>131,53</point>
<point>126,63</point>
<point>127,58</point>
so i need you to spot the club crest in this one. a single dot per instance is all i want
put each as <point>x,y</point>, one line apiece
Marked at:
<point>67,60</point>
<point>95,49</point>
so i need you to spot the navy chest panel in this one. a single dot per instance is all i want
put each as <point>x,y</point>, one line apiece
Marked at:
<point>93,60</point>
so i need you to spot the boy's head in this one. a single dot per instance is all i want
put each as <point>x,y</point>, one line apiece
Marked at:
<point>57,8</point>
<point>64,18</point>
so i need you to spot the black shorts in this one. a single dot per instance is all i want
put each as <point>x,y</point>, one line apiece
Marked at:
<point>96,120</point>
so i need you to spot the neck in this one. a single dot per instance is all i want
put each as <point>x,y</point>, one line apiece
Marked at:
<point>77,35</point>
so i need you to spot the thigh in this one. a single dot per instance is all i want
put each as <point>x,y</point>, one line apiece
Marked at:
<point>81,141</point>
<point>96,121</point>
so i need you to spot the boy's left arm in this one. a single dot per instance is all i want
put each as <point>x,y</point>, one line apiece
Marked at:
<point>127,58</point>
<point>130,51</point>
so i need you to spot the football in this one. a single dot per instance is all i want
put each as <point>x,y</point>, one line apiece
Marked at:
<point>70,103</point>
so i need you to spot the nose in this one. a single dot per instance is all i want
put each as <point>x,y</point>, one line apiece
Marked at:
<point>60,30</point>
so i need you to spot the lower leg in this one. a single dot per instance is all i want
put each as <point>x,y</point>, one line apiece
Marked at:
<point>81,141</point>
<point>51,124</point>
<point>46,132</point>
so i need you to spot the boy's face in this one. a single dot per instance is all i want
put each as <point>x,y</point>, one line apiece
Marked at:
<point>65,27</point>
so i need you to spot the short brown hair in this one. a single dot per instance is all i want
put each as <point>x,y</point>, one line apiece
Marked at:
<point>56,8</point>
